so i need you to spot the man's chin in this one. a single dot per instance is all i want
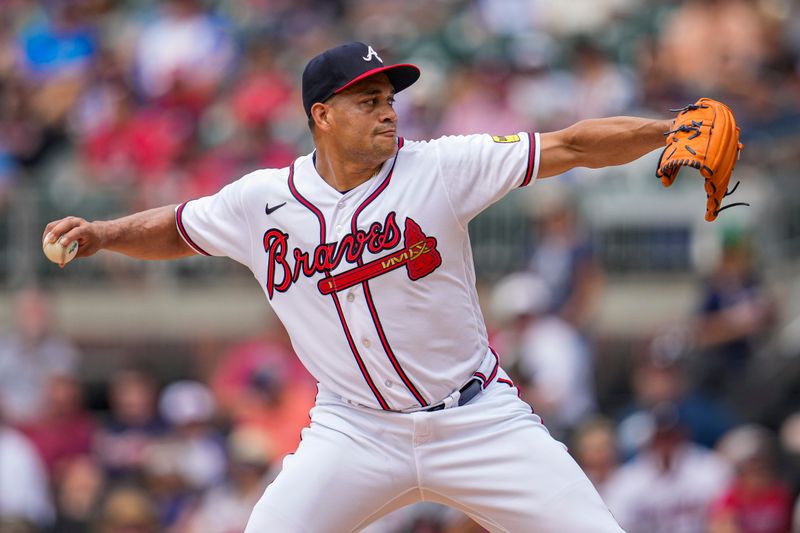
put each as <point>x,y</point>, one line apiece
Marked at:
<point>386,144</point>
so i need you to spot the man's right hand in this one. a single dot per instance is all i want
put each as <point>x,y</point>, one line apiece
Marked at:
<point>88,234</point>
<point>150,234</point>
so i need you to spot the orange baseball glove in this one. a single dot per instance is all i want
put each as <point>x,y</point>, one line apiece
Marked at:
<point>703,136</point>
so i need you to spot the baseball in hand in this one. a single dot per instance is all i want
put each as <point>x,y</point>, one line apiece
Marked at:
<point>59,254</point>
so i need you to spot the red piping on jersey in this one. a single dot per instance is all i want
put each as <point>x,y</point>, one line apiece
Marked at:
<point>368,295</point>
<point>182,230</point>
<point>511,384</point>
<point>364,372</point>
<point>487,380</point>
<point>494,370</point>
<point>531,159</point>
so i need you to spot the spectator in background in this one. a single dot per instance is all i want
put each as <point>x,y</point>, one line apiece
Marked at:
<point>78,495</point>
<point>132,426</point>
<point>263,90</point>
<point>226,507</point>
<point>660,375</point>
<point>54,50</point>
<point>65,428</point>
<point>736,40</point>
<point>137,147</point>
<point>166,482</point>
<point>24,487</point>
<point>790,461</point>
<point>58,41</point>
<point>479,102</point>
<point>183,55</point>
<point>262,387</point>
<point>30,355</point>
<point>564,259</point>
<point>551,359</point>
<point>594,446</point>
<point>736,311</point>
<point>189,408</point>
<point>669,486</point>
<point>602,88</point>
<point>128,509</point>
<point>189,459</point>
<point>757,501</point>
<point>238,129</point>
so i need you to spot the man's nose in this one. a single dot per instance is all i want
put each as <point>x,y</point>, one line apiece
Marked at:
<point>388,113</point>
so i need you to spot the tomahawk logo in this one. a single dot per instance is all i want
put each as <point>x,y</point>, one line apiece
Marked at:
<point>419,256</point>
<point>372,53</point>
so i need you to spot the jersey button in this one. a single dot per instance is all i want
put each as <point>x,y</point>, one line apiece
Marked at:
<point>350,296</point>
<point>366,342</point>
<point>388,384</point>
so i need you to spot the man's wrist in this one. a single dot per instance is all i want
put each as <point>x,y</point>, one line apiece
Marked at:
<point>103,231</point>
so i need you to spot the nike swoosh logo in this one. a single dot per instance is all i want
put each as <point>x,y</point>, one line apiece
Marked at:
<point>270,211</point>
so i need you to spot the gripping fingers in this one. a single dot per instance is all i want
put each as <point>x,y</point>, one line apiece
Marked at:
<point>61,228</point>
<point>70,229</point>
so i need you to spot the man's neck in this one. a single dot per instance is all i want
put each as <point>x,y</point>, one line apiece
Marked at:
<point>341,174</point>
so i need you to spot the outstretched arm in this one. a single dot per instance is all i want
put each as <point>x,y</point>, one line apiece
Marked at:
<point>601,142</point>
<point>150,234</point>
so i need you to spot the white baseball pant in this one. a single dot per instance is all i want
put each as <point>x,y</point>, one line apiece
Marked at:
<point>491,458</point>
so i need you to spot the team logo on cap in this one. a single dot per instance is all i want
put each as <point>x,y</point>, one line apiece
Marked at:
<point>372,53</point>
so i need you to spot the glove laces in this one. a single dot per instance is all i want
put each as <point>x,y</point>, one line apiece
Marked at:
<point>727,193</point>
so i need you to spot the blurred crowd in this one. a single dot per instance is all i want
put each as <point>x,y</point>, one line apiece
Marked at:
<point>683,440</point>
<point>113,106</point>
<point>191,455</point>
<point>108,107</point>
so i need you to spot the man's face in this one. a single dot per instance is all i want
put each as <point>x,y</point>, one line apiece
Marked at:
<point>363,123</point>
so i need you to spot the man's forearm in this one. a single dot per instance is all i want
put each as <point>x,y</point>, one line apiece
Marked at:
<point>150,234</point>
<point>613,141</point>
<point>602,142</point>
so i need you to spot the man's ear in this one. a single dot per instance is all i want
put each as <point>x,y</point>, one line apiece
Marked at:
<point>321,114</point>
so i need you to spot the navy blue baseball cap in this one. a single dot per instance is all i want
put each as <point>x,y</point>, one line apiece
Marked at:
<point>338,68</point>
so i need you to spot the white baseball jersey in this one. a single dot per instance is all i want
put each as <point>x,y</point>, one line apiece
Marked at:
<point>375,286</point>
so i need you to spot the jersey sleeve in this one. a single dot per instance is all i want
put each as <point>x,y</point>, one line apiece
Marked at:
<point>217,225</point>
<point>478,170</point>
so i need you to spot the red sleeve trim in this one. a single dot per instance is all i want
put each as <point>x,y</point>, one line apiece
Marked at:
<point>531,159</point>
<point>184,233</point>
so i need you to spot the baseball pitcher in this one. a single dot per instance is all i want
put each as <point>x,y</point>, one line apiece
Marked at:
<point>361,248</point>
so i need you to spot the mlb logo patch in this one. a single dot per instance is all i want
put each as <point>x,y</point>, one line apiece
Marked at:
<point>505,138</point>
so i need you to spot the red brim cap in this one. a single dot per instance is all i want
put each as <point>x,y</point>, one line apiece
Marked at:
<point>338,68</point>
<point>401,76</point>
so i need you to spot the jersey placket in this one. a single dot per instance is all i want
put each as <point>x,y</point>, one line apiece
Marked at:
<point>351,341</point>
<point>353,298</point>
<point>360,303</point>
<point>356,310</point>
<point>373,313</point>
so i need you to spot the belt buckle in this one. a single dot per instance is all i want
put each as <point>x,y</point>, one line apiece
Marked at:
<point>470,390</point>
<point>466,394</point>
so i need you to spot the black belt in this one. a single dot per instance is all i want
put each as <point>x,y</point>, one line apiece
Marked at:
<point>468,392</point>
